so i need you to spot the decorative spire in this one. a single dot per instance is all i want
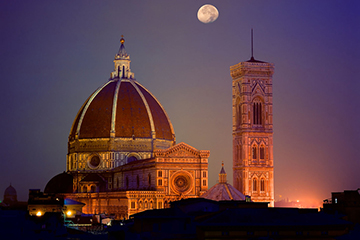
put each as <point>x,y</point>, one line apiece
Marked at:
<point>252,59</point>
<point>122,63</point>
<point>222,174</point>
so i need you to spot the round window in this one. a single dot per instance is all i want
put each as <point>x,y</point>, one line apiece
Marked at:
<point>182,183</point>
<point>95,161</point>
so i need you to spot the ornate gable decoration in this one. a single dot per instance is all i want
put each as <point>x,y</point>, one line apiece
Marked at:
<point>182,150</point>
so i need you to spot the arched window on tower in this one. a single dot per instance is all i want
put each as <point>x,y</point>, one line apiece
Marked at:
<point>254,185</point>
<point>257,113</point>
<point>238,115</point>
<point>127,182</point>
<point>149,180</point>
<point>254,152</point>
<point>262,185</point>
<point>137,181</point>
<point>262,152</point>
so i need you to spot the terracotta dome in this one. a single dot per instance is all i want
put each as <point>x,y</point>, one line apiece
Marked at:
<point>122,108</point>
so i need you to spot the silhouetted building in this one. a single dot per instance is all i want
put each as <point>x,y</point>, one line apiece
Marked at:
<point>207,219</point>
<point>345,203</point>
<point>10,200</point>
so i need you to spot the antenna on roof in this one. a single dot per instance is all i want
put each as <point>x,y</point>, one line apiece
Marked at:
<point>252,45</point>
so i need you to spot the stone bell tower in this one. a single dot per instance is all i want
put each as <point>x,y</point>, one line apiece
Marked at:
<point>253,163</point>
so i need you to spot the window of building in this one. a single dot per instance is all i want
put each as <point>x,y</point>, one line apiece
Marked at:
<point>204,174</point>
<point>204,182</point>
<point>238,115</point>
<point>160,182</point>
<point>159,173</point>
<point>250,233</point>
<point>257,113</point>
<point>137,181</point>
<point>146,205</point>
<point>149,180</point>
<point>254,152</point>
<point>262,152</point>
<point>254,185</point>
<point>262,185</point>
<point>159,205</point>
<point>132,204</point>
<point>127,182</point>
<point>93,189</point>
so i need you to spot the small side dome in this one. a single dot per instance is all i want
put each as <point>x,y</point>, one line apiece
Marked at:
<point>61,183</point>
<point>223,190</point>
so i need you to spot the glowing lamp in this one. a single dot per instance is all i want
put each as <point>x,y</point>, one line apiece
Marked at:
<point>68,213</point>
<point>39,214</point>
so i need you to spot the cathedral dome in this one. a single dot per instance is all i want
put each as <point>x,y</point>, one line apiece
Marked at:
<point>119,123</point>
<point>122,108</point>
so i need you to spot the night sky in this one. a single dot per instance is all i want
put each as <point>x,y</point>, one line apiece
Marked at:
<point>54,54</point>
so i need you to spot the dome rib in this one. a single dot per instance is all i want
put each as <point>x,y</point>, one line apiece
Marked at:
<point>113,117</point>
<point>88,105</point>
<point>158,116</point>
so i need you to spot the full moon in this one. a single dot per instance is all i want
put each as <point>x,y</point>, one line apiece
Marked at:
<point>207,13</point>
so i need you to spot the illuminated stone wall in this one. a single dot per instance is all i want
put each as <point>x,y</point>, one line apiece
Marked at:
<point>253,130</point>
<point>173,174</point>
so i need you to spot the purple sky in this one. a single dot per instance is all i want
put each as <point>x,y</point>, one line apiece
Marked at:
<point>54,54</point>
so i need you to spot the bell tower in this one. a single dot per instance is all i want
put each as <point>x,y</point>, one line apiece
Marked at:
<point>253,163</point>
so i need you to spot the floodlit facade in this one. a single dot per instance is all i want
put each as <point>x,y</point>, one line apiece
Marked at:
<point>122,152</point>
<point>252,105</point>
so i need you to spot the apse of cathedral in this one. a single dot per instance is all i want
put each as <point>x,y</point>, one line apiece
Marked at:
<point>122,152</point>
<point>253,163</point>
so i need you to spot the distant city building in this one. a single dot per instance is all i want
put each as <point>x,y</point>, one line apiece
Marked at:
<point>122,153</point>
<point>40,203</point>
<point>253,163</point>
<point>223,190</point>
<point>10,196</point>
